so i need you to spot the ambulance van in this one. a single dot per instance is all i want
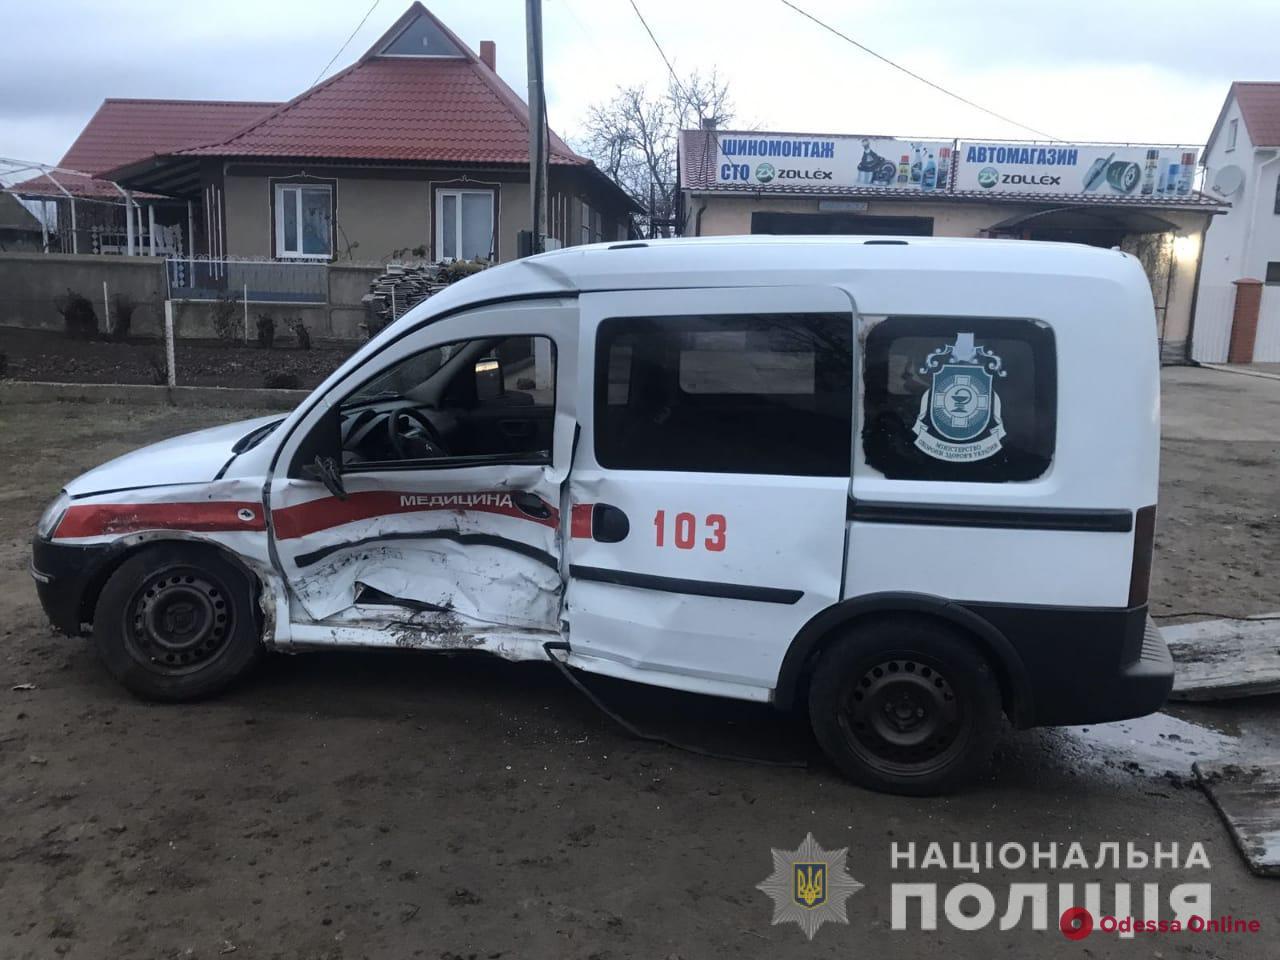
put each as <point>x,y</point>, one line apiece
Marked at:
<point>907,486</point>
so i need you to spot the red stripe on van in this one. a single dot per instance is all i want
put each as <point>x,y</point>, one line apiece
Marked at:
<point>99,519</point>
<point>314,515</point>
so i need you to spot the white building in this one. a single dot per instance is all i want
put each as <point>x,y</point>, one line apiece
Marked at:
<point>1242,161</point>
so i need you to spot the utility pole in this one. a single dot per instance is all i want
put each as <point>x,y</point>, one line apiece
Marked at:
<point>538,145</point>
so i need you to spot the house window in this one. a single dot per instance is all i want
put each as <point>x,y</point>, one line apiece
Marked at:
<point>304,220</point>
<point>421,38</point>
<point>753,394</point>
<point>465,224</point>
<point>1273,271</point>
<point>967,399</point>
<point>1232,129</point>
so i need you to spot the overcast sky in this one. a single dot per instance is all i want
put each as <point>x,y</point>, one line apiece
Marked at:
<point>1122,70</point>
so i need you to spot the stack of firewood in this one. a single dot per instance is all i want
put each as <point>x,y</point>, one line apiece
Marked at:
<point>403,287</point>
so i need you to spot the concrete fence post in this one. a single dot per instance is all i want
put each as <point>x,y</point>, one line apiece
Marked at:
<point>168,343</point>
<point>106,310</point>
<point>1244,320</point>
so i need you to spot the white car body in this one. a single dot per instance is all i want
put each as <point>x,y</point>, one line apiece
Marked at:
<point>502,557</point>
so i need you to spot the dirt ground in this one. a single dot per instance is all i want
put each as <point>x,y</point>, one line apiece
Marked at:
<point>49,355</point>
<point>408,805</point>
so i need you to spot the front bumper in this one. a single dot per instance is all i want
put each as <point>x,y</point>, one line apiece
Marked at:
<point>67,578</point>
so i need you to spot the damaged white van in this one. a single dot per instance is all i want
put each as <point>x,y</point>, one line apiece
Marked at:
<point>907,485</point>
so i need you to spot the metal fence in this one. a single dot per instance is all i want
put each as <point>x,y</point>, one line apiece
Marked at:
<point>252,281</point>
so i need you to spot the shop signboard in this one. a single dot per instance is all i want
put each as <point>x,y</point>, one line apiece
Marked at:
<point>1150,172</point>
<point>772,160</point>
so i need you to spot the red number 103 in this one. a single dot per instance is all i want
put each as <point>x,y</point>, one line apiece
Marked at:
<point>685,531</point>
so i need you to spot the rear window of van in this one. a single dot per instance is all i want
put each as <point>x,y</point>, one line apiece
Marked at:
<point>959,399</point>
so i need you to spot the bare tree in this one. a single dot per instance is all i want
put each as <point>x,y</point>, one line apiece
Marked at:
<point>632,137</point>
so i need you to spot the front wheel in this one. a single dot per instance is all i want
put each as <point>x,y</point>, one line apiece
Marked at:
<point>176,622</point>
<point>904,705</point>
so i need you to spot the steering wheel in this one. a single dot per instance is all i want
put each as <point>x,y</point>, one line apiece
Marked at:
<point>413,436</point>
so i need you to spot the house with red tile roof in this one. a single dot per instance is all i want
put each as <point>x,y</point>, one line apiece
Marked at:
<point>418,148</point>
<point>1242,247</point>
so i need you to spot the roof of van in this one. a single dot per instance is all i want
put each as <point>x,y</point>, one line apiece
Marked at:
<point>766,261</point>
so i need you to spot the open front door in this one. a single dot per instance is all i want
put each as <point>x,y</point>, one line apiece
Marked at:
<point>437,522</point>
<point>711,481</point>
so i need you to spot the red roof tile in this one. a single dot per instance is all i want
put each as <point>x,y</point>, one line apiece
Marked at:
<point>433,109</point>
<point>123,131</point>
<point>1260,107</point>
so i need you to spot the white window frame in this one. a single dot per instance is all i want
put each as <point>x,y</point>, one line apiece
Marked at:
<point>1233,131</point>
<point>458,192</point>
<point>299,186</point>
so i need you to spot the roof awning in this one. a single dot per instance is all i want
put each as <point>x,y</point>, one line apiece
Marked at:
<point>1092,217</point>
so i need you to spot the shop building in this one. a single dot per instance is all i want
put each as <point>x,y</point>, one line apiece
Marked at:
<point>1238,309</point>
<point>1140,198</point>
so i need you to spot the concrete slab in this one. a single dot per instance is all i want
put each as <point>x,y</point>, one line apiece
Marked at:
<point>1206,404</point>
<point>1247,796</point>
<point>1225,659</point>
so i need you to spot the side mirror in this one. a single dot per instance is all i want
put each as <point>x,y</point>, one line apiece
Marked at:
<point>325,469</point>
<point>490,379</point>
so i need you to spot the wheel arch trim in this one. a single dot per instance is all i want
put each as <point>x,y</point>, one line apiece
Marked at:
<point>120,550</point>
<point>815,632</point>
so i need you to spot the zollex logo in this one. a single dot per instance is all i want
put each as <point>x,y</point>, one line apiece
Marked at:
<point>988,177</point>
<point>765,172</point>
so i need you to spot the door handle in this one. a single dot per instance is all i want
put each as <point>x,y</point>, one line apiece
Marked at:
<point>609,524</point>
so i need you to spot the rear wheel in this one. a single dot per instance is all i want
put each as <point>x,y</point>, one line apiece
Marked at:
<point>905,705</point>
<point>177,622</point>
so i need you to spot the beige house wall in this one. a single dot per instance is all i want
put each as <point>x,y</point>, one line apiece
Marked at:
<point>730,216</point>
<point>377,217</point>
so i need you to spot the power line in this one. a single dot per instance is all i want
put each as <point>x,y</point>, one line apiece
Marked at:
<point>367,13</point>
<point>909,73</point>
<point>670,69</point>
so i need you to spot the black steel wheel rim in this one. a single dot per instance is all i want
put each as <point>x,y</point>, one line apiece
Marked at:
<point>178,621</point>
<point>903,717</point>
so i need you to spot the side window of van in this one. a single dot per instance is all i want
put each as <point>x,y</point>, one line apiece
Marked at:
<point>756,394</point>
<point>960,399</point>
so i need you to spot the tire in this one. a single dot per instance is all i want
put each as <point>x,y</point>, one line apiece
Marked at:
<point>905,705</point>
<point>177,622</point>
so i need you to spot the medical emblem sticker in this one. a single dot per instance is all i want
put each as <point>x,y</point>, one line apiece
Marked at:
<point>809,886</point>
<point>960,412</point>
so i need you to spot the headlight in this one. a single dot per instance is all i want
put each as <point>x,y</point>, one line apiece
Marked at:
<point>52,514</point>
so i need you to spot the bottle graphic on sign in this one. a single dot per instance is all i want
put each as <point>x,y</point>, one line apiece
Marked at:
<point>1097,172</point>
<point>944,167</point>
<point>1184,181</point>
<point>1149,172</point>
<point>904,169</point>
<point>917,162</point>
<point>930,177</point>
<point>1171,183</point>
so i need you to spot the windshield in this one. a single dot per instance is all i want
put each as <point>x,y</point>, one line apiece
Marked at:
<point>406,377</point>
